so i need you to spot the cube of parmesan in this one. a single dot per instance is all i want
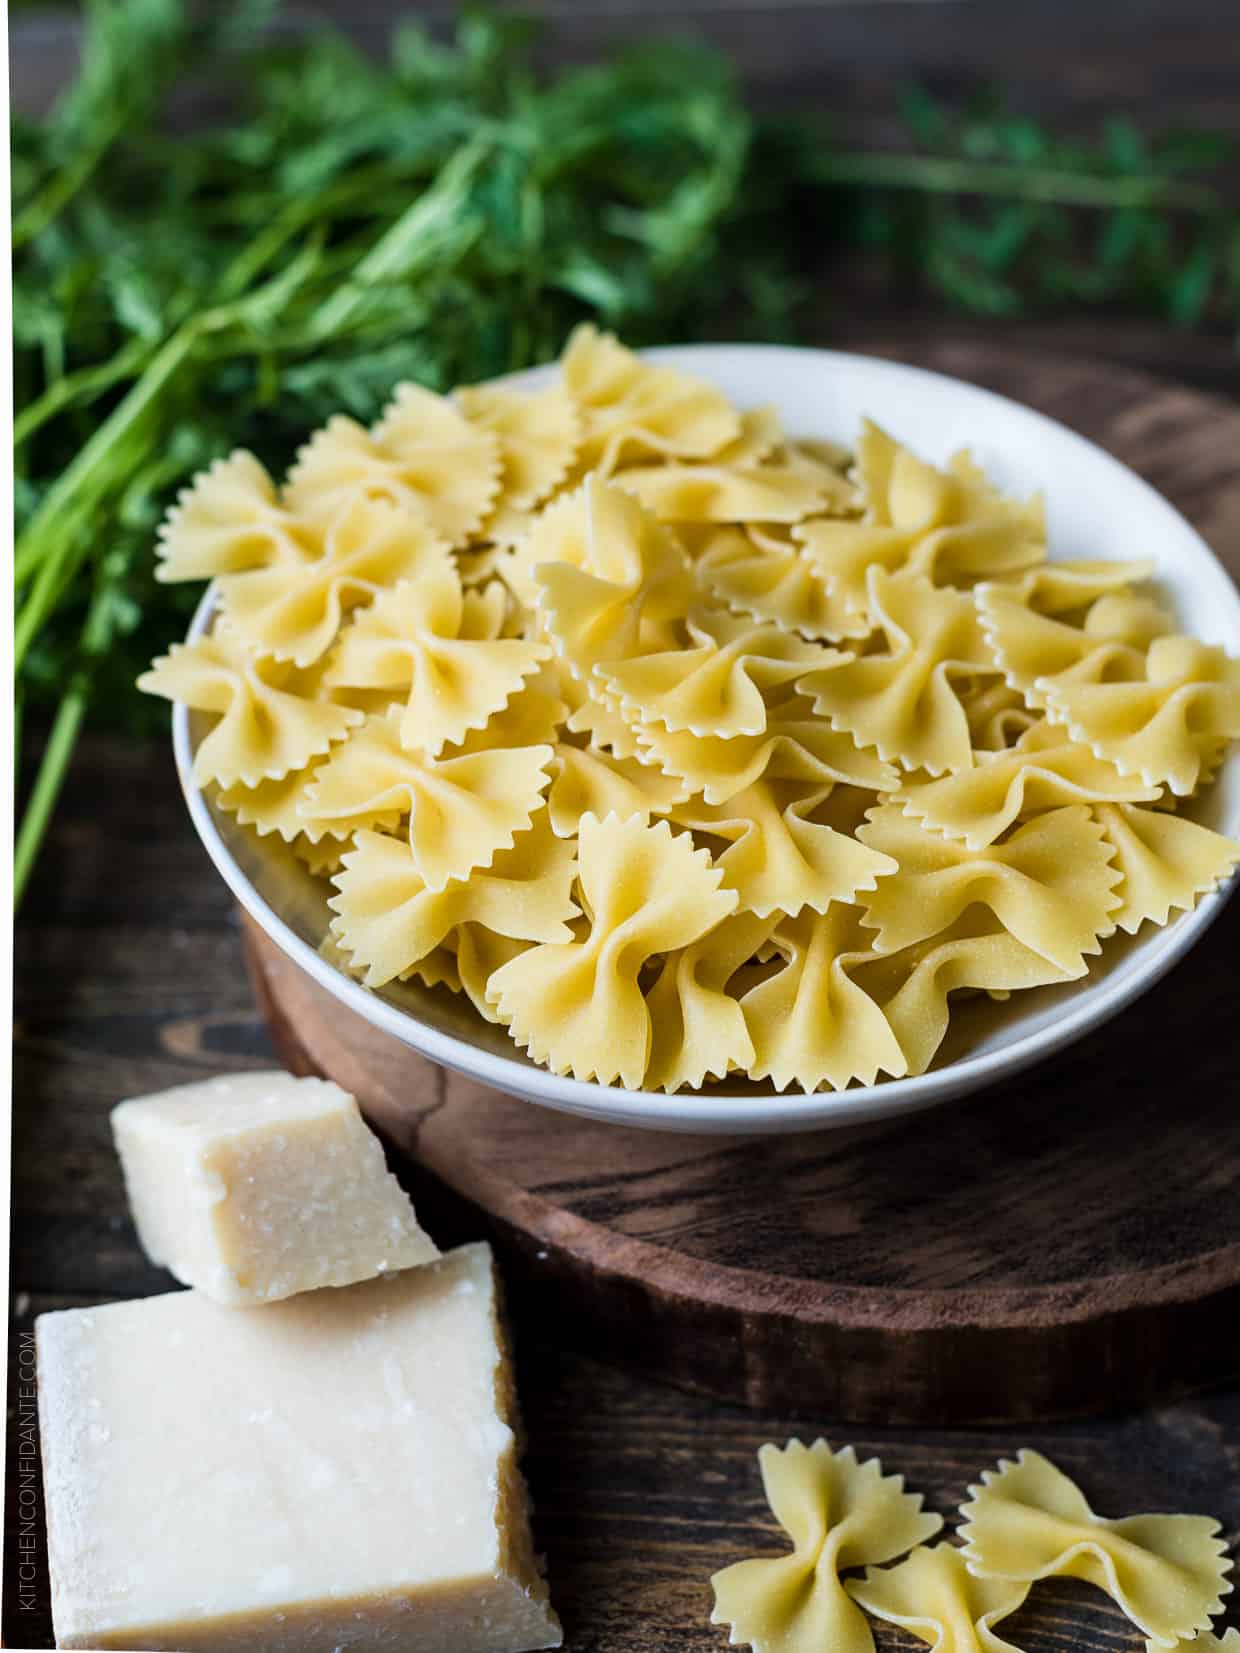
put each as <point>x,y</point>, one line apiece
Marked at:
<point>258,1185</point>
<point>334,1471</point>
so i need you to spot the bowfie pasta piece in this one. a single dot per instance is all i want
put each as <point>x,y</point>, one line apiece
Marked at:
<point>272,719</point>
<point>604,574</point>
<point>1026,1521</point>
<point>279,807</point>
<point>933,1595</point>
<point>905,700</point>
<point>534,716</point>
<point>793,746</point>
<point>595,783</point>
<point>714,684</point>
<point>756,573</point>
<point>576,1005</point>
<point>439,643</point>
<point>461,811</point>
<point>1165,862</point>
<point>1163,725</point>
<point>913,986</point>
<point>422,454</point>
<point>1044,769</point>
<point>1030,623</point>
<point>947,525</point>
<point>538,432</point>
<point>997,714</point>
<point>387,919</point>
<point>741,483</point>
<point>778,860</point>
<point>838,1513</point>
<point>632,409</point>
<point>811,1025</point>
<point>1050,884</point>
<point>295,610</point>
<point>698,1029</point>
<point>230,518</point>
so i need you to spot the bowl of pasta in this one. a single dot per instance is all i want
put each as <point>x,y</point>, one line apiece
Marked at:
<point>727,738</point>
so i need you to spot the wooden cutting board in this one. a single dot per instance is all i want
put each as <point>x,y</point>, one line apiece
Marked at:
<point>1067,1243</point>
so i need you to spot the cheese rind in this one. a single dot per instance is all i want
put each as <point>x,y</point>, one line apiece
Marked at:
<point>258,1185</point>
<point>335,1471</point>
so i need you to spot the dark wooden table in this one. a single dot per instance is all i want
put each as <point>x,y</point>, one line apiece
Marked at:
<point>130,976</point>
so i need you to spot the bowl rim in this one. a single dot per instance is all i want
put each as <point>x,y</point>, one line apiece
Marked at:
<point>721,1110</point>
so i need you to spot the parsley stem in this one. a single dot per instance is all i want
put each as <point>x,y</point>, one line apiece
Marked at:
<point>54,763</point>
<point>48,782</point>
<point>82,386</point>
<point>938,175</point>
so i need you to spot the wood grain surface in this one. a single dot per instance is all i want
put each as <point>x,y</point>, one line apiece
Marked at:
<point>131,977</point>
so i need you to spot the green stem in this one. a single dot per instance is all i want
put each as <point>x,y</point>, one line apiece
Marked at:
<point>940,175</point>
<point>54,764</point>
<point>82,386</point>
<point>52,769</point>
<point>36,215</point>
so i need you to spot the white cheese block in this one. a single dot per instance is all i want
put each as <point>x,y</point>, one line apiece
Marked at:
<point>259,1185</point>
<point>334,1472</point>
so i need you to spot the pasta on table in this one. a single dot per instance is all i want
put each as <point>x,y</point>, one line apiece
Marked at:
<point>683,745</point>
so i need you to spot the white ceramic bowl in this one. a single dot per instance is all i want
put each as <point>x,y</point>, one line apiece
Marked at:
<point>1096,507</point>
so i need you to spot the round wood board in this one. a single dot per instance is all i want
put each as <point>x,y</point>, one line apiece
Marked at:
<point>1067,1243</point>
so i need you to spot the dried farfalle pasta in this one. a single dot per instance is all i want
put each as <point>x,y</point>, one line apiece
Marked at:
<point>1162,725</point>
<point>778,860</point>
<point>698,1029</point>
<point>904,700</point>
<point>683,746</point>
<point>714,684</point>
<point>950,526</point>
<point>913,986</point>
<point>793,746</point>
<point>933,1595</point>
<point>576,1005</point>
<point>538,432</point>
<point>294,611</point>
<point>1165,861</point>
<point>838,1513</point>
<point>755,572</point>
<point>424,638</point>
<point>606,576</point>
<point>1050,883</point>
<point>460,811</point>
<point>271,719</point>
<point>1044,769</point>
<point>589,782</point>
<point>1030,623</point>
<point>1026,1521</point>
<point>387,919</point>
<point>230,518</point>
<point>811,1025</point>
<point>633,409</point>
<point>422,454</point>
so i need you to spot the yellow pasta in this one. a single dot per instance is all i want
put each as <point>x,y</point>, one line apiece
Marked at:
<point>933,1595</point>
<point>460,810</point>
<point>838,1513</point>
<point>1050,884</point>
<point>947,525</point>
<point>271,719</point>
<point>419,638</point>
<point>905,699</point>
<point>631,409</point>
<point>1027,1521</point>
<point>688,749</point>
<point>422,454</point>
<point>576,1005</point>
